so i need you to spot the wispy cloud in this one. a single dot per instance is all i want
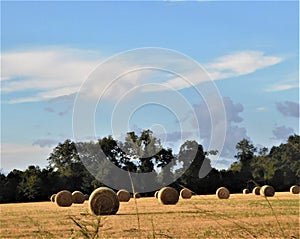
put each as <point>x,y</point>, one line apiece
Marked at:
<point>240,63</point>
<point>228,66</point>
<point>46,74</point>
<point>49,73</point>
<point>282,87</point>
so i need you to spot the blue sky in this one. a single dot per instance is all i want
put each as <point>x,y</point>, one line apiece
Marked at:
<point>48,50</point>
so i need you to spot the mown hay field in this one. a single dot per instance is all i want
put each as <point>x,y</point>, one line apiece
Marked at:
<point>240,216</point>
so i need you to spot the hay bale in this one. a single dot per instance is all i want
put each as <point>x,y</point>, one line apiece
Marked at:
<point>103,201</point>
<point>168,195</point>
<point>64,198</point>
<point>156,194</point>
<point>137,195</point>
<point>267,191</point>
<point>78,197</point>
<point>185,193</point>
<point>223,193</point>
<point>295,189</point>
<point>123,195</point>
<point>52,198</point>
<point>86,197</point>
<point>256,190</point>
<point>246,191</point>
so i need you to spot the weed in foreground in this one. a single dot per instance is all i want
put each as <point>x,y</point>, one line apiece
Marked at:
<point>88,229</point>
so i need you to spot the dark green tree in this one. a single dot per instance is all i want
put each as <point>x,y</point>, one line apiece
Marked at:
<point>245,154</point>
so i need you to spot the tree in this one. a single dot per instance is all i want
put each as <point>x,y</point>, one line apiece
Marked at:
<point>245,154</point>
<point>30,185</point>
<point>195,166</point>
<point>66,161</point>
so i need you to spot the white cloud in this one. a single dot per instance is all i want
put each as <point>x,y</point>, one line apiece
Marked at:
<point>262,108</point>
<point>48,73</point>
<point>240,63</point>
<point>282,87</point>
<point>54,72</point>
<point>232,65</point>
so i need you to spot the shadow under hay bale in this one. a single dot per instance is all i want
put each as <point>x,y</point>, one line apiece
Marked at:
<point>185,193</point>
<point>223,193</point>
<point>64,198</point>
<point>78,197</point>
<point>123,195</point>
<point>52,198</point>
<point>103,201</point>
<point>168,196</point>
<point>267,191</point>
<point>295,189</point>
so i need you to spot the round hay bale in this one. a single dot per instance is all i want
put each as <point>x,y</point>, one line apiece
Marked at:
<point>52,198</point>
<point>86,197</point>
<point>267,191</point>
<point>223,193</point>
<point>185,193</point>
<point>168,195</point>
<point>295,189</point>
<point>103,201</point>
<point>78,197</point>
<point>246,191</point>
<point>137,195</point>
<point>123,195</point>
<point>64,198</point>
<point>256,190</point>
<point>156,194</point>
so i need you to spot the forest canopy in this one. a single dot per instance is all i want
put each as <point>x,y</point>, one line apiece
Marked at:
<point>78,166</point>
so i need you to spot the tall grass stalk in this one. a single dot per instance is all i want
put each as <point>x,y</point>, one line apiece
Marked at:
<point>136,206</point>
<point>277,221</point>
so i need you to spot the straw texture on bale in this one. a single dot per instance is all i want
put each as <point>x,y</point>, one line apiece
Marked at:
<point>64,198</point>
<point>103,201</point>
<point>78,197</point>
<point>156,194</point>
<point>52,198</point>
<point>295,189</point>
<point>256,190</point>
<point>223,193</point>
<point>136,195</point>
<point>123,195</point>
<point>168,195</point>
<point>185,193</point>
<point>267,191</point>
<point>246,191</point>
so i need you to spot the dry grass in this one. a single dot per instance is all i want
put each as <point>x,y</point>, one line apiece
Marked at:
<point>241,216</point>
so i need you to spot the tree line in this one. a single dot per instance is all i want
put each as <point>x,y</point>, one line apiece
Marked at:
<point>76,166</point>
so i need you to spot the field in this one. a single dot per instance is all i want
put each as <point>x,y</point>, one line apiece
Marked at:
<point>241,216</point>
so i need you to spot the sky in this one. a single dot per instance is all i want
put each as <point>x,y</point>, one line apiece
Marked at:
<point>212,71</point>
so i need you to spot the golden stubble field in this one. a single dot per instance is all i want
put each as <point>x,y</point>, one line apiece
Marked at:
<point>241,216</point>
